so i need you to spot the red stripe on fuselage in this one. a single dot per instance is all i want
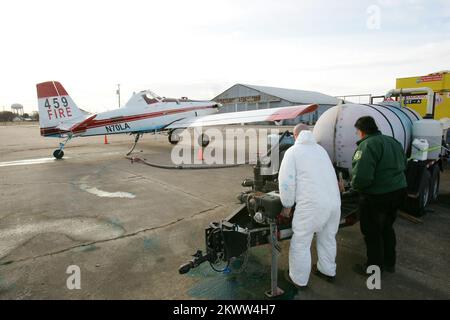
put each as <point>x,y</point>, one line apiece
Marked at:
<point>91,123</point>
<point>52,131</point>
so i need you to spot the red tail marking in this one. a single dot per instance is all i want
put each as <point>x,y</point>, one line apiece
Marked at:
<point>50,89</point>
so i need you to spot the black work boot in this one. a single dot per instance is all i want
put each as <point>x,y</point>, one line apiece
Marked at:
<point>317,272</point>
<point>288,278</point>
<point>361,269</point>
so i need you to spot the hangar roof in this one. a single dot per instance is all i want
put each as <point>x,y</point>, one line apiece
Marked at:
<point>296,96</point>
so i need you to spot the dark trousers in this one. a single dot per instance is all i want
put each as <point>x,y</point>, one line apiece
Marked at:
<point>377,216</point>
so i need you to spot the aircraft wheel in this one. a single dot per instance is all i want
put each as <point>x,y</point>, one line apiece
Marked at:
<point>174,137</point>
<point>203,140</point>
<point>58,154</point>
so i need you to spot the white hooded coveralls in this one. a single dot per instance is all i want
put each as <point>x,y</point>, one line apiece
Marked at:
<point>308,180</point>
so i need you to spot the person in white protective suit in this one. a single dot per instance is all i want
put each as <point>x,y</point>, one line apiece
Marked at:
<point>308,180</point>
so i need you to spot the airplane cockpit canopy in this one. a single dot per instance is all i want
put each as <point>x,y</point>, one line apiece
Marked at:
<point>150,97</point>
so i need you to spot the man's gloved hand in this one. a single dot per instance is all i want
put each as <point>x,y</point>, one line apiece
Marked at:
<point>286,212</point>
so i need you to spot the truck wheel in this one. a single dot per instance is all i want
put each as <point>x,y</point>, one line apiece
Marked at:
<point>416,206</point>
<point>434,183</point>
<point>424,193</point>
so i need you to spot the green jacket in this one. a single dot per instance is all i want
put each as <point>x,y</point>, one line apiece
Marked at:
<point>379,165</point>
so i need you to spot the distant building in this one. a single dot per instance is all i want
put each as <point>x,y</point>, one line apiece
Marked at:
<point>242,97</point>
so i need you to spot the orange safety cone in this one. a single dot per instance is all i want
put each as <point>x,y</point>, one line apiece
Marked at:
<point>106,139</point>
<point>200,154</point>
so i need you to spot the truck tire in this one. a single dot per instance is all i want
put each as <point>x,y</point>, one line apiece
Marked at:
<point>434,183</point>
<point>416,206</point>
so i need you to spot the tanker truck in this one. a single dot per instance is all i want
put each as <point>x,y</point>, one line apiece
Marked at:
<point>257,221</point>
<point>422,139</point>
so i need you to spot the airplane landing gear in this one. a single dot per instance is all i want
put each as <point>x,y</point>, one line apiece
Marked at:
<point>203,140</point>
<point>174,136</point>
<point>59,153</point>
<point>136,139</point>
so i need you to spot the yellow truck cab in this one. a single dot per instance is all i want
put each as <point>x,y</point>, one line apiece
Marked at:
<point>439,82</point>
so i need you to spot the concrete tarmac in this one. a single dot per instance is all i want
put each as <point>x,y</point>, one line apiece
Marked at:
<point>128,227</point>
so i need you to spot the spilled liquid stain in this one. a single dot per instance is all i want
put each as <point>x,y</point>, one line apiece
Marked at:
<point>115,222</point>
<point>6,286</point>
<point>149,253</point>
<point>150,243</point>
<point>250,284</point>
<point>27,162</point>
<point>78,229</point>
<point>106,194</point>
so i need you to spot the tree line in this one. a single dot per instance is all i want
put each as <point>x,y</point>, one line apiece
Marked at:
<point>6,116</point>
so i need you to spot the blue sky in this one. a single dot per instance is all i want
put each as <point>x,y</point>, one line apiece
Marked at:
<point>199,48</point>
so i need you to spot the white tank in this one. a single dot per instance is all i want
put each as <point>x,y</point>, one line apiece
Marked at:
<point>335,130</point>
<point>430,130</point>
<point>419,149</point>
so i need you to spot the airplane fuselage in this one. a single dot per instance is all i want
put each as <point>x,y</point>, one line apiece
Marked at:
<point>153,117</point>
<point>145,112</point>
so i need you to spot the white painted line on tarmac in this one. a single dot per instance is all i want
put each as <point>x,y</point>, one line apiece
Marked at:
<point>27,162</point>
<point>106,194</point>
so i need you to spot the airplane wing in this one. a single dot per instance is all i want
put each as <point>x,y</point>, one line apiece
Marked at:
<point>270,114</point>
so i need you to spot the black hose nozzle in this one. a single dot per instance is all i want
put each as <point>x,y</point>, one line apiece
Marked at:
<point>199,258</point>
<point>185,268</point>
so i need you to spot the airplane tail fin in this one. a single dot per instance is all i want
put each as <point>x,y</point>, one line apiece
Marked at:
<point>55,106</point>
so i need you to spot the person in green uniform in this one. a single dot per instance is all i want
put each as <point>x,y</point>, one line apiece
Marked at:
<point>378,175</point>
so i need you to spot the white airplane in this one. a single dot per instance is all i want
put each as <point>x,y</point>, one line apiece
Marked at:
<point>145,112</point>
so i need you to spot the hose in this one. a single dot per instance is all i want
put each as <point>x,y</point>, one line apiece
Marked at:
<point>199,167</point>
<point>179,167</point>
